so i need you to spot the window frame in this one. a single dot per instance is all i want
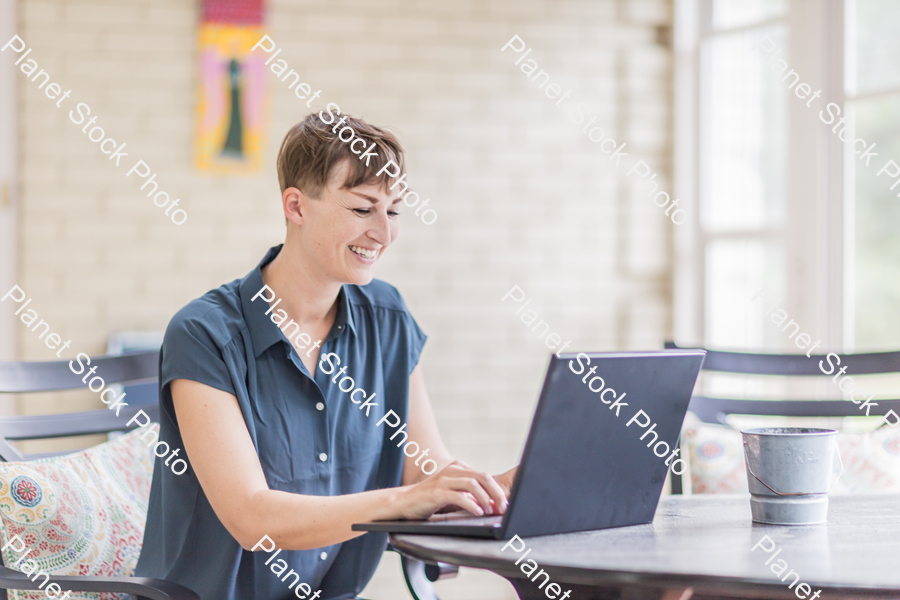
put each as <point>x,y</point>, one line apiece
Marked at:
<point>8,187</point>
<point>851,101</point>
<point>817,222</point>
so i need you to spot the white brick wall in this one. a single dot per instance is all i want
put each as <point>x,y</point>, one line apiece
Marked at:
<point>522,196</point>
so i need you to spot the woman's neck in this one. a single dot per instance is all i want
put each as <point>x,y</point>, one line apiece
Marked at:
<point>306,299</point>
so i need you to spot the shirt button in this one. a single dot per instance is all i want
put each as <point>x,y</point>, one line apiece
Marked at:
<point>323,457</point>
<point>320,406</point>
<point>323,556</point>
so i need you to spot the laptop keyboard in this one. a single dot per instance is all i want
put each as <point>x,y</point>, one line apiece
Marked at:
<point>466,518</point>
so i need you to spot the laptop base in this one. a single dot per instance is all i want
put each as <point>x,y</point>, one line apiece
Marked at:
<point>463,524</point>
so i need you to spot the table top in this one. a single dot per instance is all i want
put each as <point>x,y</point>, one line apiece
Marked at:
<point>704,541</point>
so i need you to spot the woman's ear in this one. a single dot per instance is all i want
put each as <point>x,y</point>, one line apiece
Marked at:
<point>293,202</point>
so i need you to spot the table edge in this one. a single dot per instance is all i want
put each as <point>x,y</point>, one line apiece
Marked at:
<point>601,577</point>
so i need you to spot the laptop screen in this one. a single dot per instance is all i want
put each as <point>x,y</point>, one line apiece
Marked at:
<point>585,465</point>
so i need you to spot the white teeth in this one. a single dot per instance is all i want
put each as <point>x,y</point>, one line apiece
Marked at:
<point>364,252</point>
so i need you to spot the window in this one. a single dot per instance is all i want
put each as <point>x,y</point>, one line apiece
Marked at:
<point>743,146</point>
<point>781,203</point>
<point>742,149</point>
<point>872,84</point>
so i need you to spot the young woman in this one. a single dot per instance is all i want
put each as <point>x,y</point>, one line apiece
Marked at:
<point>254,387</point>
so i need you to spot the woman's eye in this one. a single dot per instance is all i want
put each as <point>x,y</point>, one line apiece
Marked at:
<point>367,211</point>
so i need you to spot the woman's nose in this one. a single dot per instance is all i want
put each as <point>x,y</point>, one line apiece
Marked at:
<point>381,229</point>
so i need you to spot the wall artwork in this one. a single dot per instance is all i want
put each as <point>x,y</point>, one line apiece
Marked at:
<point>231,93</point>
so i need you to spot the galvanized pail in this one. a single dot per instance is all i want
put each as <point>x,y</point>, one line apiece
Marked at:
<point>789,471</point>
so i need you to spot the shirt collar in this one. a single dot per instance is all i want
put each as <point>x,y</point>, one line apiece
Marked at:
<point>344,318</point>
<point>263,331</point>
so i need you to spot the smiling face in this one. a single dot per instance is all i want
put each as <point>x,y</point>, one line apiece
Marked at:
<point>344,231</point>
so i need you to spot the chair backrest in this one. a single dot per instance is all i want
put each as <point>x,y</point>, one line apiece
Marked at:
<point>715,410</point>
<point>30,377</point>
<point>126,342</point>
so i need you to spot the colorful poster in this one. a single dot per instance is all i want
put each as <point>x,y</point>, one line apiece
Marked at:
<point>231,93</point>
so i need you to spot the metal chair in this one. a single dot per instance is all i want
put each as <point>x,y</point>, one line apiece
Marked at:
<point>715,410</point>
<point>127,342</point>
<point>131,368</point>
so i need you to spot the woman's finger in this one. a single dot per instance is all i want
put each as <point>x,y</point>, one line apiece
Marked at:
<point>465,501</point>
<point>473,487</point>
<point>490,485</point>
<point>494,489</point>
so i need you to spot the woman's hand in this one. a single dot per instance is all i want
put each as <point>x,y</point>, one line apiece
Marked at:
<point>456,484</point>
<point>506,480</point>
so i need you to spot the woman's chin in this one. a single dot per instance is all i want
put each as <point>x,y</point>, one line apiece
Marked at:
<point>361,276</point>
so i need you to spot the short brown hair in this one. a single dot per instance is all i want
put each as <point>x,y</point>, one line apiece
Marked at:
<point>310,151</point>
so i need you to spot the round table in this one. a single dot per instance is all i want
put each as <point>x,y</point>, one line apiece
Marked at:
<point>700,545</point>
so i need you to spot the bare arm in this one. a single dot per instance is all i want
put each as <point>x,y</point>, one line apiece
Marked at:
<point>222,455</point>
<point>423,429</point>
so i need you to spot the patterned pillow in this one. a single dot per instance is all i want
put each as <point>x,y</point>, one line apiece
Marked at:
<point>83,513</point>
<point>871,462</point>
<point>716,458</point>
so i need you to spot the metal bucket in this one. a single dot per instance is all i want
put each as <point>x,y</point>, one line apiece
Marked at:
<point>789,471</point>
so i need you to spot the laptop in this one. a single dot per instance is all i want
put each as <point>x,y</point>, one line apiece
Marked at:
<point>582,467</point>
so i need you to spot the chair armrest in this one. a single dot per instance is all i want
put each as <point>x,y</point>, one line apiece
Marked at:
<point>416,581</point>
<point>419,575</point>
<point>437,571</point>
<point>140,587</point>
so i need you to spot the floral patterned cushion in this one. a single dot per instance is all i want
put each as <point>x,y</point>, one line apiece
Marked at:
<point>871,462</point>
<point>83,513</point>
<point>716,458</point>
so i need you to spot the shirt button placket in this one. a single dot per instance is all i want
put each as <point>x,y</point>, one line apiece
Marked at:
<point>320,406</point>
